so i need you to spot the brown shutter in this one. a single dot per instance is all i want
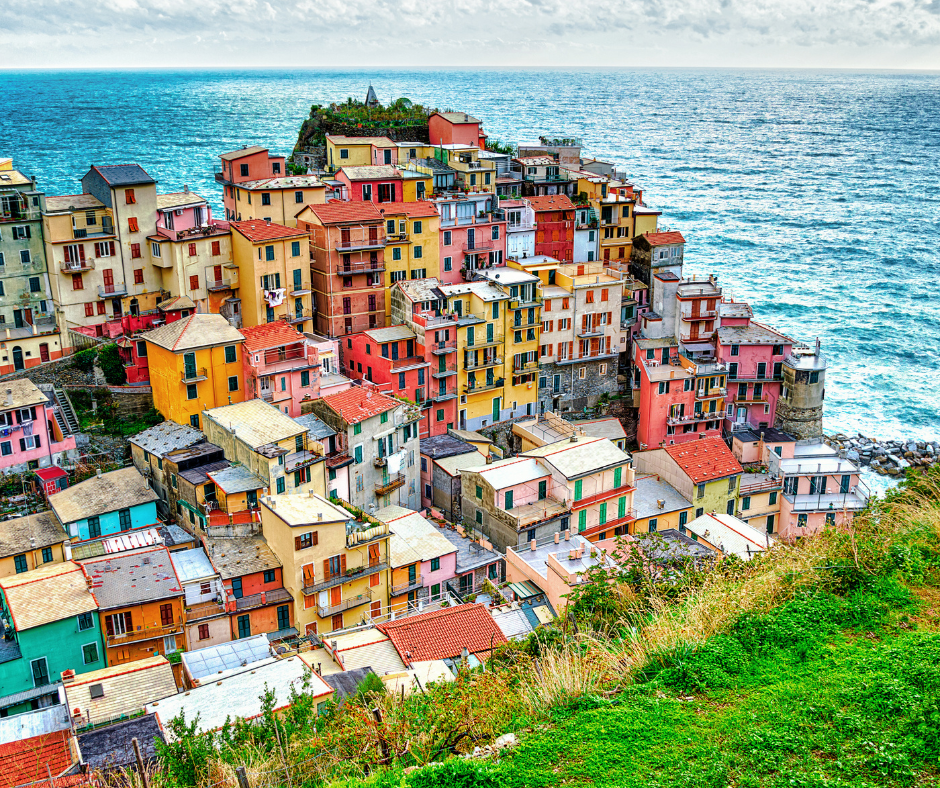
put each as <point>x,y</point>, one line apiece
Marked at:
<point>111,243</point>
<point>316,538</point>
<point>81,252</point>
<point>308,575</point>
<point>342,563</point>
<point>326,568</point>
<point>128,625</point>
<point>109,625</point>
<point>296,542</point>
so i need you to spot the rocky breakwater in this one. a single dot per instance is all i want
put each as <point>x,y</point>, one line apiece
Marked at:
<point>890,457</point>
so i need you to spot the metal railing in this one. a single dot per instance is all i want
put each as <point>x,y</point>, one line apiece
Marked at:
<point>346,577</point>
<point>355,601</point>
<point>145,633</point>
<point>525,366</point>
<point>204,610</point>
<point>404,588</point>
<point>78,266</point>
<point>361,267</point>
<point>360,244</point>
<point>478,387</point>
<point>104,291</point>
<point>367,535</point>
<point>391,484</point>
<point>193,375</point>
<point>471,363</point>
<point>263,599</point>
<point>219,284</point>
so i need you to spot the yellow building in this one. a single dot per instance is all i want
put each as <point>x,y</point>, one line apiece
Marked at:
<point>30,542</point>
<point>659,506</point>
<point>497,345</point>
<point>273,263</point>
<point>277,200</point>
<point>416,185</point>
<point>335,566</point>
<point>195,364</point>
<point>473,173</point>
<point>412,249</point>
<point>359,151</point>
<point>273,447</point>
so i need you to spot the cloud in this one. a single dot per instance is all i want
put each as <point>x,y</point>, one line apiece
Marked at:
<point>876,33</point>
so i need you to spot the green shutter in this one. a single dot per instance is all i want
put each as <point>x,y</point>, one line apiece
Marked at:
<point>616,477</point>
<point>622,506</point>
<point>603,513</point>
<point>577,489</point>
<point>582,520</point>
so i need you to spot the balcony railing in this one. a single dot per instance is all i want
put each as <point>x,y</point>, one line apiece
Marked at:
<point>204,610</point>
<point>694,417</point>
<point>78,266</point>
<point>391,484</point>
<point>705,314</point>
<point>442,348</point>
<point>525,366</point>
<point>145,633</point>
<point>194,375</point>
<point>486,341</point>
<point>446,371</point>
<point>346,577</point>
<point>360,244</point>
<point>367,535</point>
<point>219,284</point>
<point>471,363</point>
<point>473,388</point>
<point>478,246</point>
<point>750,398</point>
<point>347,604</point>
<point>107,291</point>
<point>277,596</point>
<point>407,361</point>
<point>301,317</point>
<point>338,459</point>
<point>712,392</point>
<point>360,267</point>
<point>411,585</point>
<point>535,321</point>
<point>762,486</point>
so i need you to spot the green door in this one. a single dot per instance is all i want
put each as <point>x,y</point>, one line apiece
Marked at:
<point>441,364</point>
<point>244,626</point>
<point>189,365</point>
<point>469,335</point>
<point>495,409</point>
<point>489,332</point>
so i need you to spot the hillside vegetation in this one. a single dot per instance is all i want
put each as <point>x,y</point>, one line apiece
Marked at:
<point>815,666</point>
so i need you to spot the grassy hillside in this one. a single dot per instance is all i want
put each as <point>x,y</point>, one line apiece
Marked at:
<point>816,666</point>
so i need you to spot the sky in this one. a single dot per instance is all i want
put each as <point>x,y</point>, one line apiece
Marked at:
<point>858,34</point>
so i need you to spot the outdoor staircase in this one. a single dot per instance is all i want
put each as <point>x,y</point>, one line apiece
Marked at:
<point>65,413</point>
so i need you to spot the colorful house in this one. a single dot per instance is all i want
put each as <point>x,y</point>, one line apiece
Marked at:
<point>150,447</point>
<point>659,507</point>
<point>242,166</point>
<point>205,620</point>
<point>30,433</point>
<point>140,603</point>
<point>702,471</point>
<point>273,272</point>
<point>412,249</point>
<point>335,566</point>
<point>378,184</point>
<point>359,152</point>
<point>195,364</point>
<point>456,128</point>
<point>106,504</point>
<point>554,220</point>
<point>50,625</point>
<point>472,235</point>
<point>347,249</point>
<point>31,542</point>
<point>254,595</point>
<point>276,199</point>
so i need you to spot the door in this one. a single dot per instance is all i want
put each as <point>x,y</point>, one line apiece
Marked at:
<point>44,352</point>
<point>742,415</point>
<point>336,622</point>
<point>189,365</point>
<point>388,156</point>
<point>217,273</point>
<point>496,409</point>
<point>489,332</point>
<point>283,616</point>
<point>237,588</point>
<point>40,671</point>
<point>17,318</point>
<point>18,358</point>
<point>336,596</point>
<point>244,626</point>
<point>471,244</point>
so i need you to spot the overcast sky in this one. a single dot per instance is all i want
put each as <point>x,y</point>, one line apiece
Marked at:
<point>363,33</point>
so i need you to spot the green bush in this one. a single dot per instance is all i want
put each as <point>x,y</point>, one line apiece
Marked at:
<point>85,359</point>
<point>457,773</point>
<point>109,359</point>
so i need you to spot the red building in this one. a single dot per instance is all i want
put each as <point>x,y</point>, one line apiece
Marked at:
<point>554,226</point>
<point>347,250</point>
<point>247,164</point>
<point>375,183</point>
<point>455,128</point>
<point>394,360</point>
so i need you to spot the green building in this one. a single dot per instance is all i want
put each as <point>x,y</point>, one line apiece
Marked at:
<point>50,624</point>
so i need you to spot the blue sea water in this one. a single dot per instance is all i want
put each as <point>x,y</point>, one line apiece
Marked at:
<point>812,194</point>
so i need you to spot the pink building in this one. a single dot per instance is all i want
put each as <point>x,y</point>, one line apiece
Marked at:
<point>282,367</point>
<point>820,489</point>
<point>377,183</point>
<point>455,128</point>
<point>754,355</point>
<point>247,164</point>
<point>472,235</point>
<point>33,434</point>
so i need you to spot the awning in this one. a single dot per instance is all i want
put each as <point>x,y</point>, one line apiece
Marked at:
<point>698,347</point>
<point>525,590</point>
<point>290,632</point>
<point>27,695</point>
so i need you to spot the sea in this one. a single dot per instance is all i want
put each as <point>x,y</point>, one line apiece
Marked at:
<point>813,195</point>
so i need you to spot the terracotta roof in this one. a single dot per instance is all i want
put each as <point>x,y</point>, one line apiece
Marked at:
<point>50,593</point>
<point>551,202</point>
<point>413,210</point>
<point>663,239</point>
<point>201,329</point>
<point>269,335</point>
<point>25,761</point>
<point>336,212</point>
<point>360,403</point>
<point>379,142</point>
<point>705,459</point>
<point>237,154</point>
<point>444,633</point>
<point>258,230</point>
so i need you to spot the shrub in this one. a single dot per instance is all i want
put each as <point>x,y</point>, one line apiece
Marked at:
<point>109,359</point>
<point>85,359</point>
<point>456,773</point>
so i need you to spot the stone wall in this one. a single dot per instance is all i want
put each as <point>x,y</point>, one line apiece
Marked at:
<point>576,393</point>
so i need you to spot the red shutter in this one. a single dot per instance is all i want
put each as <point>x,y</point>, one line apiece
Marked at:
<point>194,282</point>
<point>68,254</point>
<point>216,249</point>
<point>132,225</point>
<point>308,575</point>
<point>101,307</point>
<point>108,276</point>
<point>128,625</point>
<point>192,250</point>
<point>81,252</point>
<point>111,247</point>
<point>78,284</point>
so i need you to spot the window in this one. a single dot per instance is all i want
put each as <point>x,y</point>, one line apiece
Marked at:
<point>90,653</point>
<point>78,284</point>
<point>281,484</point>
<point>138,276</point>
<point>801,520</point>
<point>435,564</point>
<point>86,621</point>
<point>191,391</point>
<point>132,225</point>
<point>94,527</point>
<point>418,254</point>
<point>194,419</point>
<point>40,671</point>
<point>230,354</point>
<point>295,249</point>
<point>602,513</point>
<point>135,251</point>
<point>814,377</point>
<point>233,383</point>
<point>269,253</point>
<point>194,282</point>
<point>19,562</point>
<point>772,498</point>
<point>357,429</point>
<point>265,198</point>
<point>479,492</point>
<point>283,617</point>
<point>129,197</point>
<point>203,631</point>
<point>745,503</point>
<point>343,153</point>
<point>125,518</point>
<point>358,454</point>
<point>384,417</point>
<point>683,518</point>
<point>654,523</point>
<point>701,491</point>
<point>507,500</point>
<point>192,250</point>
<point>216,248</point>
<point>34,286</point>
<point>47,555</point>
<point>830,518</point>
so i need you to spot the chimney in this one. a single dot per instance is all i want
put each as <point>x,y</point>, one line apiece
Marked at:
<point>185,188</point>
<point>319,517</point>
<point>68,676</point>
<point>98,472</point>
<point>9,391</point>
<point>532,545</point>
<point>556,537</point>
<point>311,493</point>
<point>489,459</point>
<point>574,438</point>
<point>567,534</point>
<point>661,503</point>
<point>572,554</point>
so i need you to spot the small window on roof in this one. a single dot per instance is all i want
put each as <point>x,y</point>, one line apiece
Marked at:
<point>96,691</point>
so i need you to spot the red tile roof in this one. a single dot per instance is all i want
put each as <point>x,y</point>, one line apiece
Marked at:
<point>705,459</point>
<point>551,202</point>
<point>662,239</point>
<point>269,335</point>
<point>359,403</point>
<point>414,210</point>
<point>337,212</point>
<point>444,633</point>
<point>25,760</point>
<point>258,230</point>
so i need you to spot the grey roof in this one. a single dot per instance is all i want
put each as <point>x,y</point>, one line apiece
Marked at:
<point>20,394</point>
<point>120,489</point>
<point>255,422</point>
<point>34,723</point>
<point>239,556</point>
<point>609,427</point>
<point>440,446</point>
<point>316,428</point>
<point>123,174</point>
<point>469,436</point>
<point>167,436</point>
<point>470,555</point>
<point>649,490</point>
<point>753,334</point>
<point>192,565</point>
<point>201,329</point>
<point>583,457</point>
<point>130,578</point>
<point>771,435</point>
<point>110,747</point>
<point>436,165</point>
<point>200,475</point>
<point>30,533</point>
<point>590,555</point>
<point>682,546</point>
<point>32,693</point>
<point>226,656</point>
<point>174,535</point>
<point>345,683</point>
<point>236,479</point>
<point>193,452</point>
<point>390,334</point>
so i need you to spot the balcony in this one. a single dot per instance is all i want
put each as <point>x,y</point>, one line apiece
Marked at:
<point>471,363</point>
<point>275,597</point>
<point>367,535</point>
<point>84,233</point>
<point>19,213</point>
<point>109,291</point>
<point>396,238</point>
<point>145,633</point>
<point>411,585</point>
<point>391,484</point>
<point>478,247</point>
<point>710,393</point>
<point>674,421</point>
<point>360,245</point>
<point>705,314</point>
<point>443,396</point>
<point>219,284</point>
<point>347,604</point>
<point>745,399</point>
<point>204,610</point>
<point>442,348</point>
<point>214,227</point>
<point>535,321</point>
<point>194,375</point>
<point>445,372</point>
<point>521,367</point>
<point>406,362</point>
<point>473,388</point>
<point>483,342</point>
<point>361,267</point>
<point>591,331</point>
<point>338,459</point>
<point>299,459</point>
<point>348,576</point>
<point>300,317</point>
<point>301,292</point>
<point>77,266</point>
